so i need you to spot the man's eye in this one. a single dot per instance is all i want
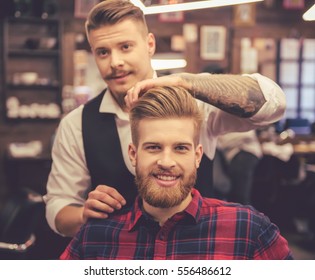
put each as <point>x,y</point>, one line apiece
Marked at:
<point>126,46</point>
<point>102,52</point>
<point>182,148</point>
<point>152,148</point>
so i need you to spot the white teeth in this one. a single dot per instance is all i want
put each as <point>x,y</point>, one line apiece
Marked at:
<point>166,178</point>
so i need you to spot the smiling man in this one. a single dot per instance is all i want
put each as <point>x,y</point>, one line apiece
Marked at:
<point>165,153</point>
<point>91,174</point>
<point>170,219</point>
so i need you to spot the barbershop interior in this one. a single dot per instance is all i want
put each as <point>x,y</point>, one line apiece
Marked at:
<point>47,70</point>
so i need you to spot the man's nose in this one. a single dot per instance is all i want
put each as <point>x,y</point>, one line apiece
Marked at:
<point>166,160</point>
<point>116,59</point>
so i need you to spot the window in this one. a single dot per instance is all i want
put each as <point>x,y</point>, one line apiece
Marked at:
<point>296,76</point>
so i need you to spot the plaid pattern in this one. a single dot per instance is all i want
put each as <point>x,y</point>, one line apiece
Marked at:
<point>208,229</point>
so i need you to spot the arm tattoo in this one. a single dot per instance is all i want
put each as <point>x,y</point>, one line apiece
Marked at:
<point>235,94</point>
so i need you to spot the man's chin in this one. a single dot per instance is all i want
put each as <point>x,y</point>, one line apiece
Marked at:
<point>164,197</point>
<point>163,204</point>
<point>118,89</point>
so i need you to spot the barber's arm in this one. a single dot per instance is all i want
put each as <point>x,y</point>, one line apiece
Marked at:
<point>234,94</point>
<point>69,201</point>
<point>69,220</point>
<point>239,95</point>
<point>100,202</point>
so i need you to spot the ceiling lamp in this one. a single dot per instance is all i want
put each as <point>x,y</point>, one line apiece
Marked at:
<point>157,9</point>
<point>163,61</point>
<point>309,14</point>
<point>163,64</point>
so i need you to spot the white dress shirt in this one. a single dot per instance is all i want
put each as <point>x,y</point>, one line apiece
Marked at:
<point>234,142</point>
<point>69,181</point>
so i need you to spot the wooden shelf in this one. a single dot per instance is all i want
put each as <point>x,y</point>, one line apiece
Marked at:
<point>27,47</point>
<point>33,53</point>
<point>33,87</point>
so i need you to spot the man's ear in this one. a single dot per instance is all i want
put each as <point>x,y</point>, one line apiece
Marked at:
<point>199,153</point>
<point>132,152</point>
<point>151,44</point>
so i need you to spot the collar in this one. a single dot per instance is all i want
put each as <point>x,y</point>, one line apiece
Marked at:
<point>109,105</point>
<point>138,215</point>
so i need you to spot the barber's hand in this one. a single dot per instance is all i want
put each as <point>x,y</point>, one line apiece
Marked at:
<point>139,88</point>
<point>102,201</point>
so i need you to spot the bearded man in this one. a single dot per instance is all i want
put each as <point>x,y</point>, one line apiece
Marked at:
<point>170,219</point>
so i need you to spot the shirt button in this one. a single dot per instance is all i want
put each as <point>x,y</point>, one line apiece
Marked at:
<point>162,236</point>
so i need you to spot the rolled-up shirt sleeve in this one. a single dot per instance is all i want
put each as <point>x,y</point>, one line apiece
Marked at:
<point>218,122</point>
<point>274,107</point>
<point>69,180</point>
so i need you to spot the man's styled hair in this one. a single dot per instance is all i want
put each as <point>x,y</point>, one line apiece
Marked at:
<point>165,103</point>
<point>110,12</point>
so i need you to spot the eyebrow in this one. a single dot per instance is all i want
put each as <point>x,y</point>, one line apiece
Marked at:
<point>175,144</point>
<point>150,143</point>
<point>130,41</point>
<point>100,48</point>
<point>184,143</point>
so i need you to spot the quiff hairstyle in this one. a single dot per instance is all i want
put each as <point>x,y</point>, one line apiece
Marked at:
<point>165,103</point>
<point>110,12</point>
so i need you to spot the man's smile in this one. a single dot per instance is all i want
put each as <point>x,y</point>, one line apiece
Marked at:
<point>166,180</point>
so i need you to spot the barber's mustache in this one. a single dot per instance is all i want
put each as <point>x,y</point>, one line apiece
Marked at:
<point>117,74</point>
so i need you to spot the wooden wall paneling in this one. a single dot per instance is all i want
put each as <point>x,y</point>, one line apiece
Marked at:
<point>192,57</point>
<point>68,52</point>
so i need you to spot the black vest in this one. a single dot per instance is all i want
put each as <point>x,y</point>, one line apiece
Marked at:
<point>104,156</point>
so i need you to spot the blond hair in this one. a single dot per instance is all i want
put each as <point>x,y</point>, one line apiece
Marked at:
<point>110,12</point>
<point>165,103</point>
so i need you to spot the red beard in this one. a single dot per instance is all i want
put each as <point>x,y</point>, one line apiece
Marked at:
<point>162,197</point>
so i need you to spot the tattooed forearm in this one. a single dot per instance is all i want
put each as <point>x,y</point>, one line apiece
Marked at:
<point>235,94</point>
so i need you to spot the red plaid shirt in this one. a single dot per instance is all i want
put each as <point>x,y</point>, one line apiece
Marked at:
<point>207,229</point>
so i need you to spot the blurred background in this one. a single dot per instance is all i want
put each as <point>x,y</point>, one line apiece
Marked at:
<point>47,70</point>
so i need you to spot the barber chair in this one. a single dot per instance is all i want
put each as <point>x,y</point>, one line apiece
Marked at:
<point>18,218</point>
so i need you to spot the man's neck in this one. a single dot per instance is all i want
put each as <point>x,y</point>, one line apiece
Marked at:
<point>161,215</point>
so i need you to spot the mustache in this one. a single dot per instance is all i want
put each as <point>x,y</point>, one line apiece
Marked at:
<point>160,171</point>
<point>115,74</point>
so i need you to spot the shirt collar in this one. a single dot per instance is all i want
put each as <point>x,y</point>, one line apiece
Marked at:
<point>192,210</point>
<point>109,105</point>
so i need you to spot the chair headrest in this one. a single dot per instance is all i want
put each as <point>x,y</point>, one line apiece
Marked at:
<point>19,216</point>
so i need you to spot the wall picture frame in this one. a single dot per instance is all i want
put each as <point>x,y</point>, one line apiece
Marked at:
<point>244,14</point>
<point>213,40</point>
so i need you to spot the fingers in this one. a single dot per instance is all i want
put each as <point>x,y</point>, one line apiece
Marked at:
<point>137,90</point>
<point>132,95</point>
<point>102,201</point>
<point>109,195</point>
<point>89,213</point>
<point>130,98</point>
